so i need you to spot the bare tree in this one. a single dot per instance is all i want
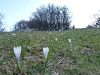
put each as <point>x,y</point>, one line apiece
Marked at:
<point>66,19</point>
<point>47,18</point>
<point>89,26</point>
<point>1,22</point>
<point>51,18</point>
<point>22,24</point>
<point>96,22</point>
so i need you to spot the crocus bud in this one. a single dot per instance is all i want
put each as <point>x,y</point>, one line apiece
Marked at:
<point>13,34</point>
<point>43,38</point>
<point>17,52</point>
<point>56,39</point>
<point>45,51</point>
<point>61,33</point>
<point>69,41</point>
<point>50,32</point>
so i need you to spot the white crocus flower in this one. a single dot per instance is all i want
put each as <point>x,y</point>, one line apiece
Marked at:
<point>13,34</point>
<point>43,38</point>
<point>45,51</point>
<point>56,39</point>
<point>50,32</point>
<point>69,41</point>
<point>61,33</point>
<point>70,44</point>
<point>17,52</point>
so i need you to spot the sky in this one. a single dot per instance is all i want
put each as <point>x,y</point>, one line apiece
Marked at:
<point>15,10</point>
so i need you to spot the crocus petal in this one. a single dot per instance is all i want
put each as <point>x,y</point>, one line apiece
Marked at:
<point>45,51</point>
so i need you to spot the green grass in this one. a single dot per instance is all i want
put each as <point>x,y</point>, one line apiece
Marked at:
<point>83,60</point>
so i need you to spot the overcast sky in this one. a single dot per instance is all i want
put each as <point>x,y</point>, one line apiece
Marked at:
<point>16,10</point>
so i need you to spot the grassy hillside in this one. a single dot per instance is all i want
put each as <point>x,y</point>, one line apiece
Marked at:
<point>83,58</point>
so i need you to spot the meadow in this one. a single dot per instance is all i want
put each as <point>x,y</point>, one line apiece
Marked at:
<point>82,58</point>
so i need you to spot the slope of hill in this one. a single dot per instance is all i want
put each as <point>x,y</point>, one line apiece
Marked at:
<point>82,58</point>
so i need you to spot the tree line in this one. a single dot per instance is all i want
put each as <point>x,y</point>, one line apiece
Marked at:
<point>96,22</point>
<point>47,18</point>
